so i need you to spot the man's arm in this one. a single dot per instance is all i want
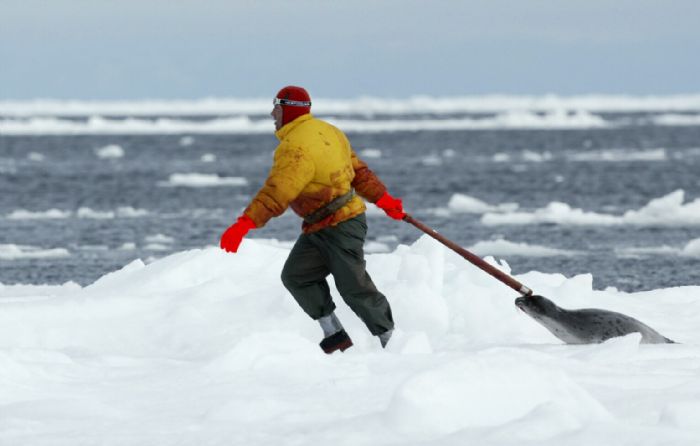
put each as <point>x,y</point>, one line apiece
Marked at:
<point>291,171</point>
<point>371,188</point>
<point>366,183</point>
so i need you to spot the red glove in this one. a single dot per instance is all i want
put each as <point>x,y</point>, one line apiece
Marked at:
<point>231,238</point>
<point>392,206</point>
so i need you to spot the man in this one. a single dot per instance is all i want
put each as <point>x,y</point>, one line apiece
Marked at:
<point>317,174</point>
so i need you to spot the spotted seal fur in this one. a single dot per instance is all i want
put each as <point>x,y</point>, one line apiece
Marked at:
<point>586,326</point>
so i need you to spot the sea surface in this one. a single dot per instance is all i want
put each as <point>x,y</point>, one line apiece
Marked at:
<point>82,196</point>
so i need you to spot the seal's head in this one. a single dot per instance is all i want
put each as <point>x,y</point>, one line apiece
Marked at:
<point>537,307</point>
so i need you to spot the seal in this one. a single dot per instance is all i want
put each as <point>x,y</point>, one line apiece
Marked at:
<point>586,326</point>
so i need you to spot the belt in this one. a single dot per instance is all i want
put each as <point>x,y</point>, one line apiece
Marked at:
<point>330,208</point>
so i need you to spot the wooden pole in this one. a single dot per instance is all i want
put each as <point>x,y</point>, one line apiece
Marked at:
<point>471,258</point>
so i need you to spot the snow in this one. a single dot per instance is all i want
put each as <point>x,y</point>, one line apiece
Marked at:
<point>558,119</point>
<point>692,249</point>
<point>374,247</point>
<point>205,347</point>
<point>36,157</point>
<point>159,238</point>
<point>431,160</point>
<point>130,212</point>
<point>432,403</point>
<point>82,212</point>
<point>620,155</point>
<point>121,212</point>
<point>461,203</point>
<point>354,106</point>
<point>548,119</point>
<point>501,158</point>
<point>250,115</point>
<point>611,155</point>
<point>505,248</point>
<point>371,153</point>
<point>186,141</point>
<point>677,119</point>
<point>202,180</point>
<point>23,214</point>
<point>668,210</point>
<point>14,252</point>
<point>98,125</point>
<point>536,157</point>
<point>112,151</point>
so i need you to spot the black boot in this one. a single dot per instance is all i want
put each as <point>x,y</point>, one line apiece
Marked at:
<point>338,341</point>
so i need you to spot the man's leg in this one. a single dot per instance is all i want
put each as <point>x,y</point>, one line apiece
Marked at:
<point>304,275</point>
<point>342,245</point>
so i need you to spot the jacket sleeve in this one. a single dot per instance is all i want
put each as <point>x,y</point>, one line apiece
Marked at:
<point>291,171</point>
<point>366,183</point>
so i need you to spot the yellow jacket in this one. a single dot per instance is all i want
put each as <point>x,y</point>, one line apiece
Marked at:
<point>313,164</point>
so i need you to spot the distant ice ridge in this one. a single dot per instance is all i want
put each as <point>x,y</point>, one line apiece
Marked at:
<point>202,180</point>
<point>205,347</point>
<point>371,153</point>
<point>361,105</point>
<point>668,210</point>
<point>83,212</point>
<point>620,155</point>
<point>15,252</point>
<point>559,119</point>
<point>37,157</point>
<point>690,249</point>
<point>609,155</point>
<point>111,151</point>
<point>677,119</point>
<point>504,248</point>
<point>461,203</point>
<point>97,125</point>
<point>465,204</point>
<point>22,214</point>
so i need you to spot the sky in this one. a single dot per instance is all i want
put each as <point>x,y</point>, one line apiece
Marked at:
<point>186,49</point>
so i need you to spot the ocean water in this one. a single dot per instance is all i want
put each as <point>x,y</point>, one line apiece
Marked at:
<point>82,195</point>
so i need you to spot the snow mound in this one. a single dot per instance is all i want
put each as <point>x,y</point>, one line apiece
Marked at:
<point>205,347</point>
<point>468,393</point>
<point>668,210</point>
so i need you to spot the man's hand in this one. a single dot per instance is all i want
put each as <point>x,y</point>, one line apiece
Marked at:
<point>232,237</point>
<point>392,206</point>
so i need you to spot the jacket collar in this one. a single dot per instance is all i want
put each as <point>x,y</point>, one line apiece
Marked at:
<point>288,127</point>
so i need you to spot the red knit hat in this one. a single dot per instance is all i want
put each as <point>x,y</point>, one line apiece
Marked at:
<point>295,101</point>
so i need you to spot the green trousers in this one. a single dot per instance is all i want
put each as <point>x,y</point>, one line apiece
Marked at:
<point>336,250</point>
